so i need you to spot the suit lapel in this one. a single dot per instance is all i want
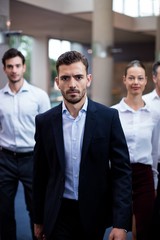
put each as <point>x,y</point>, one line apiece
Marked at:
<point>58,135</point>
<point>90,125</point>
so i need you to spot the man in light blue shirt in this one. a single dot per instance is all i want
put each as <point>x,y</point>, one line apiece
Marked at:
<point>20,103</point>
<point>153,99</point>
<point>82,173</point>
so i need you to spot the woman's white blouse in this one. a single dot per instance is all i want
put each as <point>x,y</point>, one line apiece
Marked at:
<point>142,132</point>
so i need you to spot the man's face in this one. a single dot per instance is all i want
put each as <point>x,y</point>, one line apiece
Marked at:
<point>156,80</point>
<point>14,69</point>
<point>73,81</point>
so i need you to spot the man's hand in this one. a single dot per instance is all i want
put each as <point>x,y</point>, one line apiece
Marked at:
<point>38,232</point>
<point>117,234</point>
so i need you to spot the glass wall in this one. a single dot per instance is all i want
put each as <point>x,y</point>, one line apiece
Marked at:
<point>137,8</point>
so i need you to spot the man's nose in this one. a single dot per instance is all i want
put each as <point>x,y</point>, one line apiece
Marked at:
<point>72,82</point>
<point>14,69</point>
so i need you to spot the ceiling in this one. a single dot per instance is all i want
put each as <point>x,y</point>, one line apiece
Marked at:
<point>38,22</point>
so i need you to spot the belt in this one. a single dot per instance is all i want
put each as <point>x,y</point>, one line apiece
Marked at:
<point>16,154</point>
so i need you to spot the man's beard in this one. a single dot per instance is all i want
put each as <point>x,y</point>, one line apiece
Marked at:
<point>14,81</point>
<point>73,100</point>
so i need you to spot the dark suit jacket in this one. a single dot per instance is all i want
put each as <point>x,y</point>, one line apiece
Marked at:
<point>105,173</point>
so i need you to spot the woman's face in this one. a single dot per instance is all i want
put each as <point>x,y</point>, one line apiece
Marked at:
<point>135,80</point>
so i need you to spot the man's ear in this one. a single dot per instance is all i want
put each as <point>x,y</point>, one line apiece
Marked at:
<point>24,68</point>
<point>57,81</point>
<point>89,80</point>
<point>154,79</point>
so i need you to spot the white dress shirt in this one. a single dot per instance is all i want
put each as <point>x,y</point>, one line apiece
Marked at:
<point>153,100</point>
<point>17,116</point>
<point>73,131</point>
<point>142,131</point>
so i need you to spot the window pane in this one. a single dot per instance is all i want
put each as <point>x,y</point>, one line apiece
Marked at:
<point>136,8</point>
<point>156,7</point>
<point>131,8</point>
<point>118,6</point>
<point>146,7</point>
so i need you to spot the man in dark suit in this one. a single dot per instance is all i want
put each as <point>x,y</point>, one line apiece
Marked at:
<point>82,175</point>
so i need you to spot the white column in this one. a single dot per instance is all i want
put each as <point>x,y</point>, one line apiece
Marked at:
<point>4,13</point>
<point>157,48</point>
<point>40,64</point>
<point>4,16</point>
<point>102,40</point>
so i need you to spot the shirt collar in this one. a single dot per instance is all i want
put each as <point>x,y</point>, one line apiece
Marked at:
<point>84,107</point>
<point>24,88</point>
<point>154,94</point>
<point>124,107</point>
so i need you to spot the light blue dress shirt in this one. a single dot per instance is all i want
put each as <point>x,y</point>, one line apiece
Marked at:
<point>17,116</point>
<point>142,132</point>
<point>73,131</point>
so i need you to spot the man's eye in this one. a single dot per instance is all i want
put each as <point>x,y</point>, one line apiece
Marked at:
<point>78,77</point>
<point>18,65</point>
<point>9,66</point>
<point>64,78</point>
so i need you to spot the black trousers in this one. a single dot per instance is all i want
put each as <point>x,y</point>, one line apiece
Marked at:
<point>69,225</point>
<point>12,170</point>
<point>156,214</point>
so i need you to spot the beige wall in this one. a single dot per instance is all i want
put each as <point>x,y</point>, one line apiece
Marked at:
<point>71,6</point>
